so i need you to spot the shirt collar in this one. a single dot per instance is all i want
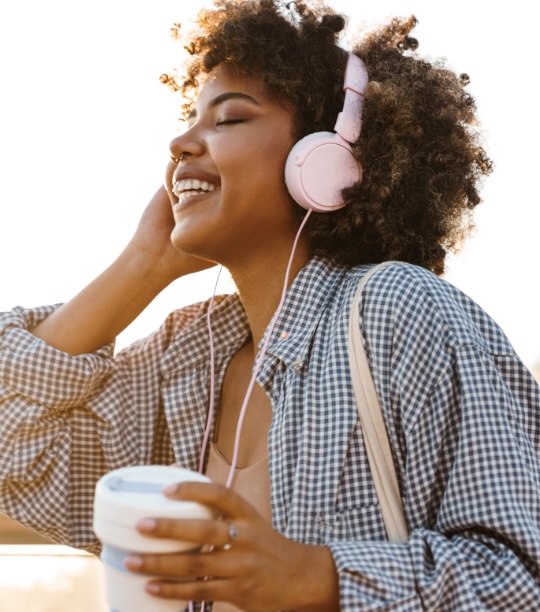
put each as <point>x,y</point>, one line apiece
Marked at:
<point>191,346</point>
<point>306,301</point>
<point>304,304</point>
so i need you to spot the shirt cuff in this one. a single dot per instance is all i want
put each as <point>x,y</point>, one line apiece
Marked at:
<point>375,575</point>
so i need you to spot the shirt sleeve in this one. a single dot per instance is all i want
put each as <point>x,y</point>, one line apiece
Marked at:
<point>463,418</point>
<point>67,420</point>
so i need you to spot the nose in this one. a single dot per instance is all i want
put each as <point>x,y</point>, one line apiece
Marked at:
<point>185,145</point>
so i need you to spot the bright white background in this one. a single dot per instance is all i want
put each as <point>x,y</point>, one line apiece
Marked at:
<point>85,123</point>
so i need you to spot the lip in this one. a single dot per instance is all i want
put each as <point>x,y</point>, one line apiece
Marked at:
<point>185,202</point>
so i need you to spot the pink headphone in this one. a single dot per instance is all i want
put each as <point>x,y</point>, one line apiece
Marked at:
<point>320,165</point>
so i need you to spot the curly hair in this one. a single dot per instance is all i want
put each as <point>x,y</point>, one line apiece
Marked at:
<point>419,146</point>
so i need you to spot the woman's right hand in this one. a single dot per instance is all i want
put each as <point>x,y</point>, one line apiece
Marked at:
<point>152,240</point>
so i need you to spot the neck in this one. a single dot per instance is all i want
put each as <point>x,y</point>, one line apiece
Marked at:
<point>260,285</point>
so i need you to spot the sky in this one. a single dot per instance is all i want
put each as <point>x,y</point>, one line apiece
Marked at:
<point>85,126</point>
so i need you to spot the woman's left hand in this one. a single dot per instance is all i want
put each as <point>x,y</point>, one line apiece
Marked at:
<point>250,566</point>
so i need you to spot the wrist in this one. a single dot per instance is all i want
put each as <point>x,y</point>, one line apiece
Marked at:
<point>317,582</point>
<point>145,269</point>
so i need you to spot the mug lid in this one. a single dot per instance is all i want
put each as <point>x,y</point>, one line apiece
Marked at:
<point>129,494</point>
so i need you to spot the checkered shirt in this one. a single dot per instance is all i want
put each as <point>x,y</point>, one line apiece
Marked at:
<point>463,417</point>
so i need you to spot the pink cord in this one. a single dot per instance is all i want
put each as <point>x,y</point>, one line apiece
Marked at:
<point>262,354</point>
<point>210,417</point>
<point>258,366</point>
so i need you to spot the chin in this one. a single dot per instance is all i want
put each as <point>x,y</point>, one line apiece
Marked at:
<point>192,242</point>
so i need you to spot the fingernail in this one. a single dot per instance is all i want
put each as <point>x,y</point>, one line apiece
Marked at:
<point>170,489</point>
<point>146,524</point>
<point>152,587</point>
<point>133,562</point>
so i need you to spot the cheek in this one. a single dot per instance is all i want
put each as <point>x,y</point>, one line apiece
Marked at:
<point>262,168</point>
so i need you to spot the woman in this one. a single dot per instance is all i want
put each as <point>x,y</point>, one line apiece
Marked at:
<point>461,410</point>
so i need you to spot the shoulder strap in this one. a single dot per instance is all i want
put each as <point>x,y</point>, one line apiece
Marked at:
<point>373,426</point>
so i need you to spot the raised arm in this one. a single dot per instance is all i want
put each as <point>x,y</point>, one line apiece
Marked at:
<point>148,264</point>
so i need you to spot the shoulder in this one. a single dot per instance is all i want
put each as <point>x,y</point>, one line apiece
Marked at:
<point>422,335</point>
<point>413,302</point>
<point>189,324</point>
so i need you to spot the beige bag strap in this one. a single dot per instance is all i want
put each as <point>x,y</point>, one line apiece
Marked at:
<point>373,426</point>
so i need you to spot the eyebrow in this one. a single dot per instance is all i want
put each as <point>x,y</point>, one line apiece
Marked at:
<point>231,95</point>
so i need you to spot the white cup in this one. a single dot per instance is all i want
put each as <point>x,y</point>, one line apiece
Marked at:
<point>124,497</point>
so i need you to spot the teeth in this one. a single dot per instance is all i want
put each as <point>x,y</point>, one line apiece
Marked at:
<point>185,185</point>
<point>188,193</point>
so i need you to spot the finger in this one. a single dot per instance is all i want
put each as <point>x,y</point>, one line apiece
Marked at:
<point>201,590</point>
<point>197,531</point>
<point>224,564</point>
<point>226,501</point>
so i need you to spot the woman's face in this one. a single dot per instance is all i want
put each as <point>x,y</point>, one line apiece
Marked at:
<point>228,191</point>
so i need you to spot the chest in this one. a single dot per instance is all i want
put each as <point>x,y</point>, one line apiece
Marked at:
<point>252,438</point>
<point>305,419</point>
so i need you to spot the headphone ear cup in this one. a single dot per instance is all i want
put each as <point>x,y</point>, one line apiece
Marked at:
<point>318,167</point>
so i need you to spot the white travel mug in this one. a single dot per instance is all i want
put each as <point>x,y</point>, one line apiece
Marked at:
<point>124,497</point>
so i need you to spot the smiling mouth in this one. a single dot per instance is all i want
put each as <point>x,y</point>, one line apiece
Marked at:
<point>188,188</point>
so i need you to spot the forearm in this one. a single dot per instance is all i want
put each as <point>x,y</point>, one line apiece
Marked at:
<point>433,572</point>
<point>50,462</point>
<point>96,315</point>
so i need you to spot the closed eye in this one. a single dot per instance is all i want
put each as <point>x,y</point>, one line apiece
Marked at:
<point>230,121</point>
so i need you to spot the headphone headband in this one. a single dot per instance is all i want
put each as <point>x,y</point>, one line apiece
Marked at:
<point>349,120</point>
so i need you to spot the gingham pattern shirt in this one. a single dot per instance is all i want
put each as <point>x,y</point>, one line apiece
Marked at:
<point>463,417</point>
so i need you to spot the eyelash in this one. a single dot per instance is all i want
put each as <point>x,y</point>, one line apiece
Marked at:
<point>230,121</point>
